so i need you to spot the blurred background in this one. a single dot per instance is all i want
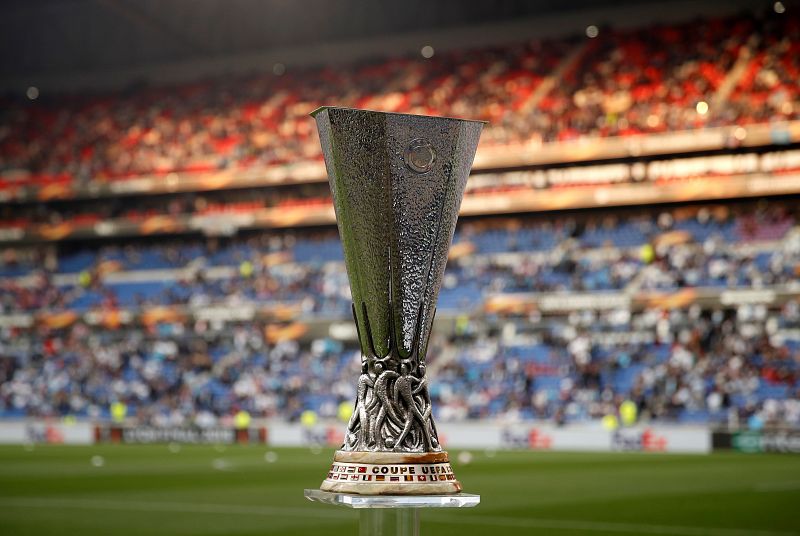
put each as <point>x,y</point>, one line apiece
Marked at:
<point>625,275</point>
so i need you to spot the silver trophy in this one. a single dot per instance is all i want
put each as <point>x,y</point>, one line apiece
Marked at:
<point>397,182</point>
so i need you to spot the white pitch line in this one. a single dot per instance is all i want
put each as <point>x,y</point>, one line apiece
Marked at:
<point>232,509</point>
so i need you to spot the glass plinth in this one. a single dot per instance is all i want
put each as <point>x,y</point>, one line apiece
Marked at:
<point>459,500</point>
<point>391,515</point>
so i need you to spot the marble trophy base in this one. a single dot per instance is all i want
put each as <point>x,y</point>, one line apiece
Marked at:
<point>391,473</point>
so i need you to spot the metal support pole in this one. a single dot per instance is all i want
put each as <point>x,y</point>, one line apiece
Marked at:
<point>389,522</point>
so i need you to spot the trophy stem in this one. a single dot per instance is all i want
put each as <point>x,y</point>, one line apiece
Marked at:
<point>389,522</point>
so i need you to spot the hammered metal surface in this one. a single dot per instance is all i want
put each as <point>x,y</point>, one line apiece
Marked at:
<point>397,182</point>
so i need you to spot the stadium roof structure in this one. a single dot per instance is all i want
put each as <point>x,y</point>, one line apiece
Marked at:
<point>48,38</point>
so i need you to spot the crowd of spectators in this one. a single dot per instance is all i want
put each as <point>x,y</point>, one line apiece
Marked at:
<point>730,246</point>
<point>686,363</point>
<point>646,80</point>
<point>257,120</point>
<point>175,375</point>
<point>768,90</point>
<point>623,82</point>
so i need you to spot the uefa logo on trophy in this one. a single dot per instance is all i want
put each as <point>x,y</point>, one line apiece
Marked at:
<point>397,182</point>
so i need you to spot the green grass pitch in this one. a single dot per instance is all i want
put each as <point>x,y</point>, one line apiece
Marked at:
<point>242,490</point>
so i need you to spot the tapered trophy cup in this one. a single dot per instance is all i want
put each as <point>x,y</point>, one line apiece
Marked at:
<point>397,182</point>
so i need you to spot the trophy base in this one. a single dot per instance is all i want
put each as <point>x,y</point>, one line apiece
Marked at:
<point>391,473</point>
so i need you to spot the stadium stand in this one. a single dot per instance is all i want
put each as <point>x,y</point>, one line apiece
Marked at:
<point>615,348</point>
<point>86,323</point>
<point>660,75</point>
<point>686,364</point>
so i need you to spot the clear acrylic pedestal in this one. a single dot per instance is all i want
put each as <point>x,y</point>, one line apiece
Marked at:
<point>391,515</point>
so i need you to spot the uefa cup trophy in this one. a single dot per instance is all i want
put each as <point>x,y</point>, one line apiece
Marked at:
<point>397,182</point>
